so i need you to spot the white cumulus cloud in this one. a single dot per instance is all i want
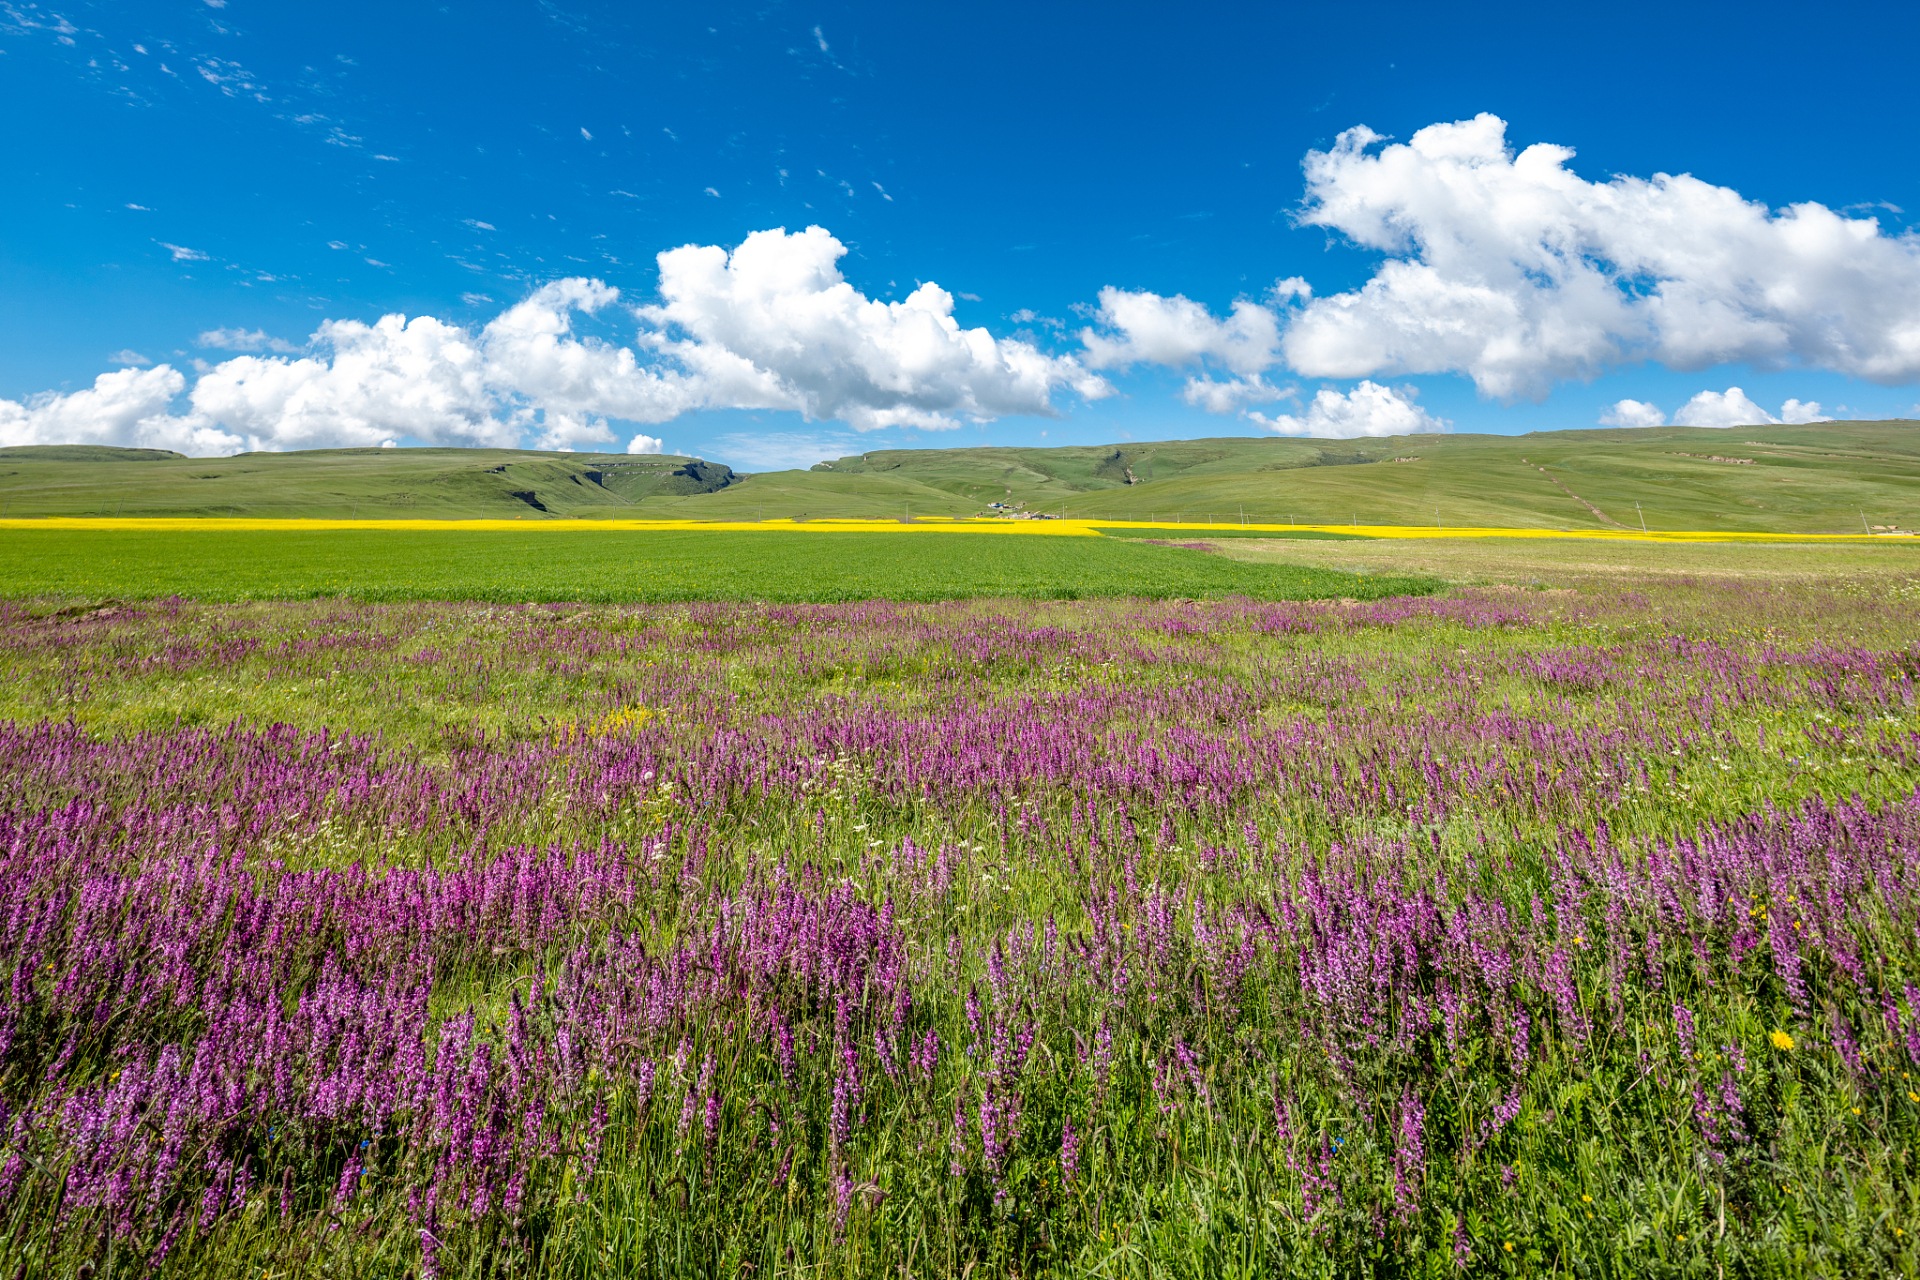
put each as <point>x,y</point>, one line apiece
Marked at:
<point>128,407</point>
<point>1368,410</point>
<point>394,378</point>
<point>1733,408</point>
<point>646,444</point>
<point>1633,413</point>
<point>1729,408</point>
<point>768,325</point>
<point>531,354</point>
<point>1231,395</point>
<point>1138,327</point>
<point>774,325</point>
<point>1145,328</point>
<point>567,431</point>
<point>1519,273</point>
<point>1800,412</point>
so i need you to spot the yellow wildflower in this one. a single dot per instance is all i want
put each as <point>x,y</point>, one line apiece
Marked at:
<point>622,719</point>
<point>1781,1040</point>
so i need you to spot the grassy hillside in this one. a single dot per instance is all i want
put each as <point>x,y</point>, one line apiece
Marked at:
<point>1824,478</point>
<point>1806,479</point>
<point>334,483</point>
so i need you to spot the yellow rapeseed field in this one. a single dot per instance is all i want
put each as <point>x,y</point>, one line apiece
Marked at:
<point>1037,528</point>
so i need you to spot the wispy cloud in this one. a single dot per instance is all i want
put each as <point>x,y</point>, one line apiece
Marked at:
<point>241,340</point>
<point>181,253</point>
<point>781,450</point>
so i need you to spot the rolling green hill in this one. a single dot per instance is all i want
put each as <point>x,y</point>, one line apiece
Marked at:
<point>1825,478</point>
<point>76,480</point>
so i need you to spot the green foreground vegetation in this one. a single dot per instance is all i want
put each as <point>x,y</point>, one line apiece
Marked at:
<point>1836,477</point>
<point>613,566</point>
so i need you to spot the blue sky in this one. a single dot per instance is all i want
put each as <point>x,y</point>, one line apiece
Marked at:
<point>215,204</point>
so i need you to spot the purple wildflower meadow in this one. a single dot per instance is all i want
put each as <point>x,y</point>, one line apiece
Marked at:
<point>855,938</point>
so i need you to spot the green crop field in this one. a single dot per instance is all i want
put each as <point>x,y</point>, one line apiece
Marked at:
<point>618,566</point>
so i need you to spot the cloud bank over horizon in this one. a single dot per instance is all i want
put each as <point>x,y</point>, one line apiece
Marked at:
<point>1368,410</point>
<point>1518,274</point>
<point>1729,408</point>
<point>770,325</point>
<point>1504,268</point>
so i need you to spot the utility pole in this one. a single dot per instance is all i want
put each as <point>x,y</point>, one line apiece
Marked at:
<point>1863,524</point>
<point>1436,519</point>
<point>1643,517</point>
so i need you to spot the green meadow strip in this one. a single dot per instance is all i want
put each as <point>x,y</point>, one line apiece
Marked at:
<point>596,566</point>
